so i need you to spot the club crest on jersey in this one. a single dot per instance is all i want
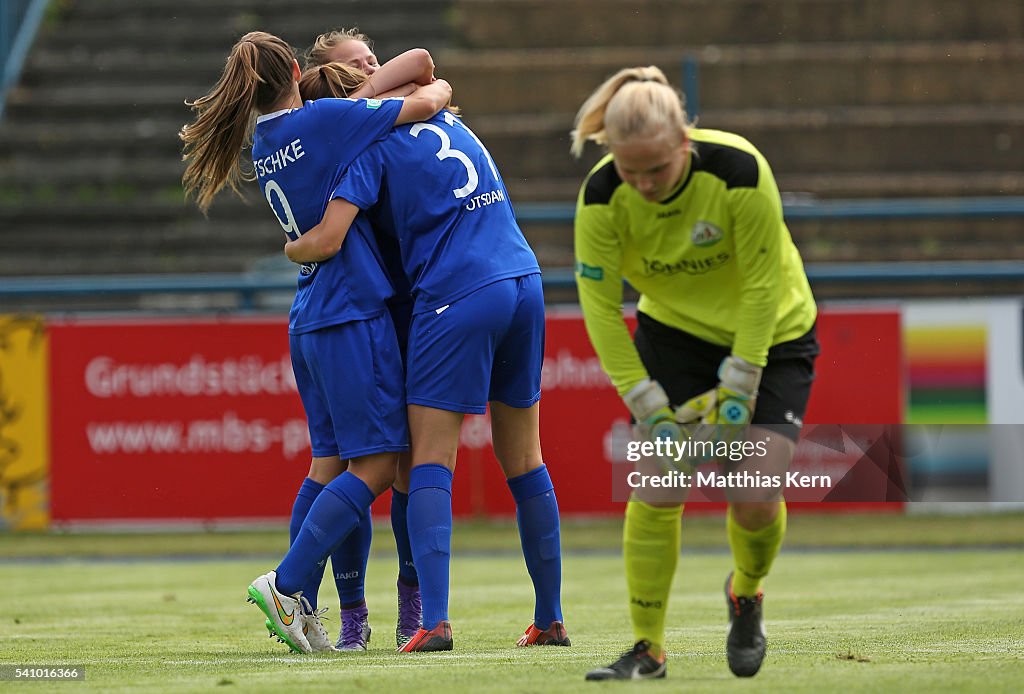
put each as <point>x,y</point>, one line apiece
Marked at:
<point>705,234</point>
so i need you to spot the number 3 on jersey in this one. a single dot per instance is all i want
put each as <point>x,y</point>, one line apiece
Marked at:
<point>448,152</point>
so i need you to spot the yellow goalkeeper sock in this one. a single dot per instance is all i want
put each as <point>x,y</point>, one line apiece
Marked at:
<point>651,549</point>
<point>753,551</point>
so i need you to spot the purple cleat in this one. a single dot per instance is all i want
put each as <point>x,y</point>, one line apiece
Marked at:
<point>355,629</point>
<point>410,613</point>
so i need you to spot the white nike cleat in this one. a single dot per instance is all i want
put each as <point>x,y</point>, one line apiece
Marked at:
<point>314,630</point>
<point>284,612</point>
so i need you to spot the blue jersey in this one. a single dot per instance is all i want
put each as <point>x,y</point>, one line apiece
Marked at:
<point>299,158</point>
<point>435,187</point>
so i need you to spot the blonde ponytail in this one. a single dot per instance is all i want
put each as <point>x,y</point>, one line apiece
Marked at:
<point>634,101</point>
<point>320,52</point>
<point>330,80</point>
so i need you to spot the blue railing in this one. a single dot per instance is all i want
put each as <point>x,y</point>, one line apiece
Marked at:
<point>19,21</point>
<point>691,84</point>
<point>249,287</point>
<point>867,209</point>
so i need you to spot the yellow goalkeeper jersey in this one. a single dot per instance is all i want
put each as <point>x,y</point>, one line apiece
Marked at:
<point>714,258</point>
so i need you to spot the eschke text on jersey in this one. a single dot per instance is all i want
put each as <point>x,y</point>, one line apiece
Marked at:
<point>288,154</point>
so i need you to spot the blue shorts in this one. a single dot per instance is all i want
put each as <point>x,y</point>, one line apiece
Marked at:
<point>488,345</point>
<point>350,380</point>
<point>400,308</point>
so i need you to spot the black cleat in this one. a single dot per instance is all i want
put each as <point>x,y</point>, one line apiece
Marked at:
<point>637,664</point>
<point>747,642</point>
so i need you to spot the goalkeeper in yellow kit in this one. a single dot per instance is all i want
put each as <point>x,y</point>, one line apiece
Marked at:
<point>693,220</point>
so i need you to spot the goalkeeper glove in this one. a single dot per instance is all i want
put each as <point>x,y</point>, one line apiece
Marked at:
<point>648,403</point>
<point>731,402</point>
<point>655,421</point>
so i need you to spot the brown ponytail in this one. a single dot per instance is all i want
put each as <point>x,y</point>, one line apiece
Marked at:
<point>257,74</point>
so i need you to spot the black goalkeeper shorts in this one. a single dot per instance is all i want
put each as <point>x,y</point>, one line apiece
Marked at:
<point>687,366</point>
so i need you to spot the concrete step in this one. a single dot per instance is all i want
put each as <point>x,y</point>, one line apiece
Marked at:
<point>173,217</point>
<point>485,24</point>
<point>144,179</point>
<point>118,65</point>
<point>218,38</point>
<point>951,184</point>
<point>805,141</point>
<point>399,25</point>
<point>867,235</point>
<point>147,138</point>
<point>28,263</point>
<point>733,77</point>
<point>93,227</point>
<point>108,99</point>
<point>836,240</point>
<point>61,108</point>
<point>338,10</point>
<point>772,76</point>
<point>131,242</point>
<point>96,229</point>
<point>111,179</point>
<point>117,181</point>
<point>841,74</point>
<point>98,238</point>
<point>885,184</point>
<point>909,240</point>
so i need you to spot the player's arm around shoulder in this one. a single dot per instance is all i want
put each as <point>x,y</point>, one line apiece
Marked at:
<point>415,66</point>
<point>409,75</point>
<point>325,239</point>
<point>425,102</point>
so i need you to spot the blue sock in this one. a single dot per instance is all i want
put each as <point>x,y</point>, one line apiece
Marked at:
<point>537,515</point>
<point>430,534</point>
<point>334,514</point>
<point>348,562</point>
<point>308,492</point>
<point>400,525</point>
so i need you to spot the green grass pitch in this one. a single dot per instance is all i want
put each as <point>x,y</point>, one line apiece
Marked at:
<point>876,619</point>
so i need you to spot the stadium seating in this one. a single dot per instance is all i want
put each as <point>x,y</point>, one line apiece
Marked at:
<point>89,154</point>
<point>885,98</point>
<point>881,98</point>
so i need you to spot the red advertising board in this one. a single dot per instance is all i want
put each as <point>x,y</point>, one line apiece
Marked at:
<point>196,419</point>
<point>199,420</point>
<point>585,427</point>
